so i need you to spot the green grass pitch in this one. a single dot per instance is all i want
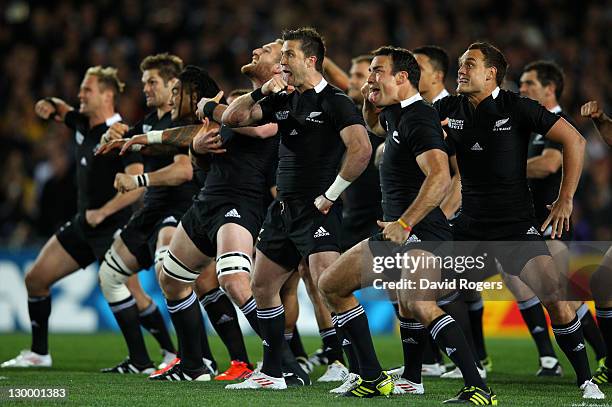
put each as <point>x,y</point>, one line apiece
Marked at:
<point>77,359</point>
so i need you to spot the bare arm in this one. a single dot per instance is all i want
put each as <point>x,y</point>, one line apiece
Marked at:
<point>358,151</point>
<point>243,111</point>
<point>356,160</point>
<point>52,108</point>
<point>603,123</point>
<point>96,216</point>
<point>452,201</point>
<point>335,74</point>
<point>177,173</point>
<point>545,164</point>
<point>434,164</point>
<point>180,136</point>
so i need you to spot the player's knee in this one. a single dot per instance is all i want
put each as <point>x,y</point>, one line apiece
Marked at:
<point>232,263</point>
<point>35,283</point>
<point>236,286</point>
<point>175,276</point>
<point>160,252</point>
<point>560,311</point>
<point>113,276</point>
<point>328,288</point>
<point>601,285</point>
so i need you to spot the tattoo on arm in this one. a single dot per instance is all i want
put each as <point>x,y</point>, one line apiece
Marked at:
<point>180,136</point>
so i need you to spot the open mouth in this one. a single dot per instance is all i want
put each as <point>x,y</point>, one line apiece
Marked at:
<point>462,80</point>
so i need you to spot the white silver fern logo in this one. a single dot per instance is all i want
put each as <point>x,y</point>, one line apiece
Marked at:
<point>501,122</point>
<point>312,115</point>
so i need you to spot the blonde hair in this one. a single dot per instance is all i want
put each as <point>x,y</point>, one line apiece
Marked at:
<point>107,78</point>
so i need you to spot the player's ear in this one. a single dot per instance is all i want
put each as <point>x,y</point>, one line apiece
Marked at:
<point>401,77</point>
<point>491,73</point>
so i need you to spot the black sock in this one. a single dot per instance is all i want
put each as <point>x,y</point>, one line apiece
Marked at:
<point>458,310</point>
<point>126,314</point>
<point>533,315</point>
<point>249,309</point>
<point>347,346</point>
<point>296,345</point>
<point>571,341</point>
<point>224,319</point>
<point>431,352</point>
<point>187,320</point>
<point>272,325</point>
<point>449,336</point>
<point>354,325</point>
<point>151,319</point>
<point>331,345</point>
<point>40,309</point>
<point>604,319</point>
<point>414,338</point>
<point>591,332</point>
<point>396,309</point>
<point>475,311</point>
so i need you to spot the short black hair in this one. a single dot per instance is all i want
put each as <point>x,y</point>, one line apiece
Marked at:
<point>493,57</point>
<point>169,66</point>
<point>198,82</point>
<point>401,60</point>
<point>312,43</point>
<point>437,56</point>
<point>548,72</point>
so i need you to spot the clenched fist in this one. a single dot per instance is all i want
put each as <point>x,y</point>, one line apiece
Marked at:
<point>125,183</point>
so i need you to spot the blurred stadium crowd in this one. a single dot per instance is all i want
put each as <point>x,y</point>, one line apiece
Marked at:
<point>47,46</point>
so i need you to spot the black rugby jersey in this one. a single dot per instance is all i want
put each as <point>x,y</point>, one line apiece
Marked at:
<point>491,143</point>
<point>163,195</point>
<point>412,128</point>
<point>95,173</point>
<point>545,190</point>
<point>311,148</point>
<point>242,172</point>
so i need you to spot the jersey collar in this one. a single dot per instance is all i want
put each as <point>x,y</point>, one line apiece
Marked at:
<point>320,86</point>
<point>441,95</point>
<point>113,119</point>
<point>556,109</point>
<point>410,100</point>
<point>495,92</point>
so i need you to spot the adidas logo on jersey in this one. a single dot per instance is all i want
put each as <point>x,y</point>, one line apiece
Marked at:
<point>537,330</point>
<point>532,231</point>
<point>410,340</point>
<point>449,351</point>
<point>476,147</point>
<point>293,132</point>
<point>579,347</point>
<point>395,136</point>
<point>170,219</point>
<point>321,232</point>
<point>224,318</point>
<point>232,214</point>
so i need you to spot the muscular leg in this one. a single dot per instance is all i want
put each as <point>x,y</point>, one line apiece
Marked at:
<point>445,331</point>
<point>337,283</point>
<point>221,313</point>
<point>267,281</point>
<point>547,283</point>
<point>289,299</point>
<point>180,269</point>
<point>52,264</point>
<point>601,287</point>
<point>317,263</point>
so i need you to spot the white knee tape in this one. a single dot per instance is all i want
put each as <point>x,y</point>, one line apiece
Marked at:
<point>232,263</point>
<point>112,283</point>
<point>160,253</point>
<point>177,270</point>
